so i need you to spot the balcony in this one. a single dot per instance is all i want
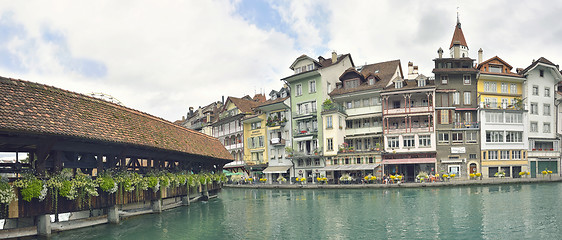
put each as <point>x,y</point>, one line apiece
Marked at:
<point>364,110</point>
<point>469,125</point>
<point>495,105</point>
<point>304,114</point>
<point>415,109</point>
<point>415,128</point>
<point>233,146</point>
<point>332,108</point>
<point>306,132</point>
<point>539,152</point>
<point>305,153</point>
<point>363,131</point>
<point>277,142</point>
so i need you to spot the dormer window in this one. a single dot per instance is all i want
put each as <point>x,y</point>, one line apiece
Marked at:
<point>310,67</point>
<point>274,96</point>
<point>351,83</point>
<point>298,70</point>
<point>283,94</point>
<point>495,69</point>
<point>421,83</point>
<point>398,84</point>
<point>371,81</point>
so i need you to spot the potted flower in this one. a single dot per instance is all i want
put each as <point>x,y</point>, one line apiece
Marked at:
<point>500,174</point>
<point>263,180</point>
<point>346,179</point>
<point>422,176</point>
<point>281,179</point>
<point>322,180</point>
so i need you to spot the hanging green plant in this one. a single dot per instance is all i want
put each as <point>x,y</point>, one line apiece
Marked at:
<point>31,187</point>
<point>7,194</point>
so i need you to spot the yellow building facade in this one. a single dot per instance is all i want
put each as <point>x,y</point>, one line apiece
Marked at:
<point>255,149</point>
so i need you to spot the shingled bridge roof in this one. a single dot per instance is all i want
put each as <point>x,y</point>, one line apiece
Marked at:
<point>33,108</point>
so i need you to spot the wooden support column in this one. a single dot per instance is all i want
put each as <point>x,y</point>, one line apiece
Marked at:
<point>99,163</point>
<point>41,163</point>
<point>59,156</point>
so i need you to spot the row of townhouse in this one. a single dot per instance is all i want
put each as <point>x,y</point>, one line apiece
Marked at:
<point>333,118</point>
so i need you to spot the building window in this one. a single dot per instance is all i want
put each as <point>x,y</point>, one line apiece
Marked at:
<point>256,125</point>
<point>495,69</point>
<point>455,169</point>
<point>494,117</point>
<point>467,100</point>
<point>504,155</point>
<point>534,127</point>
<point>260,141</point>
<point>516,155</point>
<point>443,138</point>
<point>513,136</point>
<point>504,88</point>
<point>468,117</point>
<point>444,79</point>
<point>398,84</point>
<point>472,156</point>
<point>466,79</point>
<point>312,86</point>
<point>421,83</point>
<point>546,127</point>
<point>409,141</point>
<point>513,117</point>
<point>490,87</point>
<point>457,137</point>
<point>445,116</point>
<point>366,102</point>
<point>541,73</point>
<point>547,92</point>
<point>310,67</point>
<point>329,122</point>
<point>298,90</point>
<point>513,89</point>
<point>492,155</point>
<point>371,81</point>
<point>330,144</point>
<point>535,108</point>
<point>494,136</point>
<point>546,109</point>
<point>456,98</point>
<point>535,90</point>
<point>424,140</point>
<point>472,136</point>
<point>393,142</point>
<point>358,160</point>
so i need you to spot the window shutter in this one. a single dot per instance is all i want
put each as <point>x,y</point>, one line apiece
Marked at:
<point>438,116</point>
<point>450,116</point>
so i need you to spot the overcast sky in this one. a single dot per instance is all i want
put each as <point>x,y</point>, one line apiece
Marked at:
<point>161,57</point>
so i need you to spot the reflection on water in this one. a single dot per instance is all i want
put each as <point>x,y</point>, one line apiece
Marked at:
<point>489,212</point>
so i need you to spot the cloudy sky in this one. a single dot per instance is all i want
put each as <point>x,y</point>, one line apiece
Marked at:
<point>161,57</point>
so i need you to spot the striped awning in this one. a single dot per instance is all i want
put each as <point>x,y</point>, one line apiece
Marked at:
<point>409,161</point>
<point>276,169</point>
<point>350,167</point>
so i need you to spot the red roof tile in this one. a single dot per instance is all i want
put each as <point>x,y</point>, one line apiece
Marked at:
<point>36,108</point>
<point>458,36</point>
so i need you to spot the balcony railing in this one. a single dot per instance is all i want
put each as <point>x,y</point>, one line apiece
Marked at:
<point>305,132</point>
<point>471,125</point>
<point>414,109</point>
<point>332,107</point>
<point>304,113</point>
<point>495,105</point>
<point>277,141</point>
<point>313,152</point>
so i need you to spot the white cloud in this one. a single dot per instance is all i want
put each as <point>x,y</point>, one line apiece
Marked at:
<point>162,57</point>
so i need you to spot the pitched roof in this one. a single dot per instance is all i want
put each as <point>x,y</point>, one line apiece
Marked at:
<point>540,60</point>
<point>40,109</point>
<point>458,36</point>
<point>243,104</point>
<point>383,71</point>
<point>492,59</point>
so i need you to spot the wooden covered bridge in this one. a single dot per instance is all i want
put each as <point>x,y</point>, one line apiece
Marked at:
<point>62,129</point>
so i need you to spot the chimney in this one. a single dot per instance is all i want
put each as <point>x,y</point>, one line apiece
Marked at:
<point>480,56</point>
<point>410,68</point>
<point>415,70</point>
<point>440,52</point>
<point>456,49</point>
<point>334,57</point>
<point>223,100</point>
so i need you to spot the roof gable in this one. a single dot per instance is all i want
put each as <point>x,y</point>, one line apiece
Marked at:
<point>458,36</point>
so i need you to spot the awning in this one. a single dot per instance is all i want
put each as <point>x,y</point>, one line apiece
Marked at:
<point>276,169</point>
<point>350,167</point>
<point>372,115</point>
<point>409,161</point>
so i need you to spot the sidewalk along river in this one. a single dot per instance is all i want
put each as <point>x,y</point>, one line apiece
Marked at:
<point>508,211</point>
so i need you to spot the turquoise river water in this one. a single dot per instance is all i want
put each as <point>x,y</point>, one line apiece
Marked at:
<point>527,211</point>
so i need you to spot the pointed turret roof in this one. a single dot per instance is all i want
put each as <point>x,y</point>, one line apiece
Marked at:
<point>458,35</point>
